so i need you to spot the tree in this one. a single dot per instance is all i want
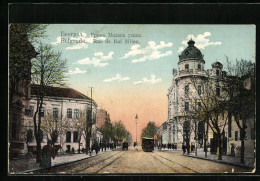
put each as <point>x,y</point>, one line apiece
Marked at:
<point>150,130</point>
<point>119,132</point>
<point>79,124</point>
<point>106,131</point>
<point>21,51</point>
<point>209,106</point>
<point>241,102</point>
<point>53,127</point>
<point>48,69</point>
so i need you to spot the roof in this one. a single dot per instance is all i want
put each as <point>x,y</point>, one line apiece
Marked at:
<point>217,64</point>
<point>59,92</point>
<point>191,52</point>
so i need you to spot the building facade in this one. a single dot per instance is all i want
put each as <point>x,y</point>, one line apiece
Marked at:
<point>62,107</point>
<point>185,93</point>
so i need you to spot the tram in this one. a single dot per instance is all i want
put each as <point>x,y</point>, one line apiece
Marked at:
<point>147,144</point>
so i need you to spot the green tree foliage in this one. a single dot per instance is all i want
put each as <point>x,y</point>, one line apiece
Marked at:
<point>119,131</point>
<point>150,130</point>
<point>21,52</point>
<point>106,131</point>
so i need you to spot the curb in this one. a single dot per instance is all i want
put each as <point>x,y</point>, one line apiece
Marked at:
<point>220,161</point>
<point>56,165</point>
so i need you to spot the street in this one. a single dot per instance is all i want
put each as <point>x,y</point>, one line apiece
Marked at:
<point>135,160</point>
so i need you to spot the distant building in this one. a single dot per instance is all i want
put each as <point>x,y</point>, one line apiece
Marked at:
<point>64,105</point>
<point>102,117</point>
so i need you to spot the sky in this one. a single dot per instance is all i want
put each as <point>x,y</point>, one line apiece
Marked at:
<point>130,66</point>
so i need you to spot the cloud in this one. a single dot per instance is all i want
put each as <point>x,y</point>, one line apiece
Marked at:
<point>58,41</point>
<point>153,80</point>
<point>76,71</point>
<point>200,40</point>
<point>118,78</point>
<point>97,60</point>
<point>80,41</point>
<point>150,52</point>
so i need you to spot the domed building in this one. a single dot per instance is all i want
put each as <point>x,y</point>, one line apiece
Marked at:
<point>185,95</point>
<point>185,86</point>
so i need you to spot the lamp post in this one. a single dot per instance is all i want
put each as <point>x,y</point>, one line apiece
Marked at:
<point>136,119</point>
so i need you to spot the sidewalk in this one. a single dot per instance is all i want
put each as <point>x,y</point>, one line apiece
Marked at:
<point>249,162</point>
<point>27,165</point>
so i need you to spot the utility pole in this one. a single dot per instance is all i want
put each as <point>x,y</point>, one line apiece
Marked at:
<point>89,126</point>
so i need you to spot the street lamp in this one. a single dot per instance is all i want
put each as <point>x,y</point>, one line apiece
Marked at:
<point>136,119</point>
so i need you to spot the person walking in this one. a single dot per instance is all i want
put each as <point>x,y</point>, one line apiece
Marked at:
<point>183,148</point>
<point>48,151</point>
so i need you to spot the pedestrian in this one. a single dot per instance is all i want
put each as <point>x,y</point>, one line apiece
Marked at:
<point>47,152</point>
<point>96,146</point>
<point>183,148</point>
<point>105,144</point>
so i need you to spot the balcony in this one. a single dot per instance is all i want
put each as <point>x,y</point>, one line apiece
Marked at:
<point>190,72</point>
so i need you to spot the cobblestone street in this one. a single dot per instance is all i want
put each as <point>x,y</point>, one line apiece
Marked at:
<point>135,160</point>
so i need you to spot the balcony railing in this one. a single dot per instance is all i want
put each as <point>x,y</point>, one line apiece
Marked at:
<point>190,72</point>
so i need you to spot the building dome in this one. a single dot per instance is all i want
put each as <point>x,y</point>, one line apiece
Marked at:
<point>191,52</point>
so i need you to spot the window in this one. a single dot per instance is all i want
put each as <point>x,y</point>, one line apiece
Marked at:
<point>55,112</point>
<point>94,118</point>
<point>29,111</point>
<point>75,136</point>
<point>199,105</point>
<point>186,106</point>
<point>69,113</point>
<point>199,66</point>
<point>186,66</point>
<point>76,113</point>
<point>217,72</point>
<point>42,112</point>
<point>186,89</point>
<point>218,91</point>
<point>236,135</point>
<point>252,133</point>
<point>68,137</point>
<point>199,89</point>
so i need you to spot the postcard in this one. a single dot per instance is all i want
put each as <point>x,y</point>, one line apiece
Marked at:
<point>131,99</point>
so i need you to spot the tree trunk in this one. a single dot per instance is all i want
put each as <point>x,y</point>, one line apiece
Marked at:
<point>205,141</point>
<point>38,149</point>
<point>219,147</point>
<point>242,160</point>
<point>79,148</point>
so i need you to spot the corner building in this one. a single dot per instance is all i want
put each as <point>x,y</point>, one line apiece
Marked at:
<point>180,126</point>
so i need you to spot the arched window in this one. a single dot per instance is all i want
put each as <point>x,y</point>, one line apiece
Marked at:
<point>75,136</point>
<point>199,66</point>
<point>217,72</point>
<point>187,67</point>
<point>68,136</point>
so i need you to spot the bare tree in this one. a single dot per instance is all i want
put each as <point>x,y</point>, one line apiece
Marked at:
<point>241,102</point>
<point>79,124</point>
<point>53,126</point>
<point>207,104</point>
<point>48,69</point>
